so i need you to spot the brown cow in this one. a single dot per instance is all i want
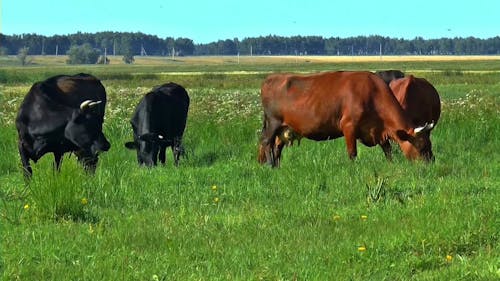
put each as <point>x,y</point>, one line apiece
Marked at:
<point>421,103</point>
<point>329,105</point>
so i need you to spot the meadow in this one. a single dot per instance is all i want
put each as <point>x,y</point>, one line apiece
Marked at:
<point>222,216</point>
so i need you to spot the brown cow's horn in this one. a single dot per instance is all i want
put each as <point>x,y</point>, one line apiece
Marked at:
<point>424,128</point>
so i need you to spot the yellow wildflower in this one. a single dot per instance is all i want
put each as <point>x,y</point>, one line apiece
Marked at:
<point>214,187</point>
<point>449,258</point>
<point>84,201</point>
<point>364,217</point>
<point>27,207</point>
<point>361,248</point>
<point>336,217</point>
<point>216,200</point>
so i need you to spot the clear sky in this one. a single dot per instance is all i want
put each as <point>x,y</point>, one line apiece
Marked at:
<point>211,20</point>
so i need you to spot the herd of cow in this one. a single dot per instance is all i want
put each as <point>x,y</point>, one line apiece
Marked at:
<point>65,114</point>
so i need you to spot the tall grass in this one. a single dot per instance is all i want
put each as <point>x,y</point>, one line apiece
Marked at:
<point>222,216</point>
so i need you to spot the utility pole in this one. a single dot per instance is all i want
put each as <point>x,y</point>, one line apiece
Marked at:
<point>105,55</point>
<point>57,49</point>
<point>114,47</point>
<point>380,51</point>
<point>173,53</point>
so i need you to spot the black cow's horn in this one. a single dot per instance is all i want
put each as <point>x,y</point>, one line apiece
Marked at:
<point>89,104</point>
<point>85,104</point>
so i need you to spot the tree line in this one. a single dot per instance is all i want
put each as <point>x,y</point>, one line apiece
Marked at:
<point>134,44</point>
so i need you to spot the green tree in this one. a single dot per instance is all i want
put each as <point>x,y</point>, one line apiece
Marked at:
<point>4,51</point>
<point>128,57</point>
<point>83,54</point>
<point>22,55</point>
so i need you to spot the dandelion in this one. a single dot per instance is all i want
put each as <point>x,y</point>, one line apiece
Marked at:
<point>336,217</point>
<point>361,248</point>
<point>91,229</point>
<point>216,200</point>
<point>155,277</point>
<point>449,258</point>
<point>364,217</point>
<point>84,201</point>
<point>214,187</point>
<point>26,207</point>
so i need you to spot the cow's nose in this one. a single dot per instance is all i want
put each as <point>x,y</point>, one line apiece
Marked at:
<point>101,146</point>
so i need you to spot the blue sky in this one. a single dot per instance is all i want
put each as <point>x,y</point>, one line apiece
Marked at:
<point>211,20</point>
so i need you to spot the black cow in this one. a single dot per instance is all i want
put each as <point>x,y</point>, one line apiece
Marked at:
<point>389,75</point>
<point>63,114</point>
<point>159,122</point>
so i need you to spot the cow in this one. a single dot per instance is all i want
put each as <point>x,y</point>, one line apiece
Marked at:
<point>62,114</point>
<point>389,75</point>
<point>421,104</point>
<point>159,121</point>
<point>329,105</point>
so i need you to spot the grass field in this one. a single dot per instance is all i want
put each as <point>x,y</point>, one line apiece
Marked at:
<point>222,216</point>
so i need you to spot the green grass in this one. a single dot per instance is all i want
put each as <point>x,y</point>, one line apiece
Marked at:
<point>302,221</point>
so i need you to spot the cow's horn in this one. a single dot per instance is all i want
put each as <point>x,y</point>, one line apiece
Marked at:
<point>426,127</point>
<point>85,104</point>
<point>160,137</point>
<point>89,104</point>
<point>94,103</point>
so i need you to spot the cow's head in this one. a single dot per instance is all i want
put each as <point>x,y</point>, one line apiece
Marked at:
<point>84,130</point>
<point>416,144</point>
<point>147,147</point>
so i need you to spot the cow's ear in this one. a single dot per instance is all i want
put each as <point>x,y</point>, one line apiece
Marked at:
<point>403,135</point>
<point>131,145</point>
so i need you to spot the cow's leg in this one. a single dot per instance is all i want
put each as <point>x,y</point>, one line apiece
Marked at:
<point>177,155</point>
<point>162,156</point>
<point>57,161</point>
<point>278,147</point>
<point>386,147</point>
<point>267,145</point>
<point>25,160</point>
<point>177,150</point>
<point>350,140</point>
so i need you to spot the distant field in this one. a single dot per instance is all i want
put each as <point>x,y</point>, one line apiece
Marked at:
<point>200,60</point>
<point>222,216</point>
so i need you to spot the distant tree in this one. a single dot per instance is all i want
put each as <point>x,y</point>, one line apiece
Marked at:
<point>130,44</point>
<point>128,58</point>
<point>170,45</point>
<point>83,54</point>
<point>126,48</point>
<point>184,46</point>
<point>103,60</point>
<point>22,55</point>
<point>4,51</point>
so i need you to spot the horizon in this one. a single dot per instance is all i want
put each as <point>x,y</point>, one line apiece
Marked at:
<point>223,19</point>
<point>247,37</point>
